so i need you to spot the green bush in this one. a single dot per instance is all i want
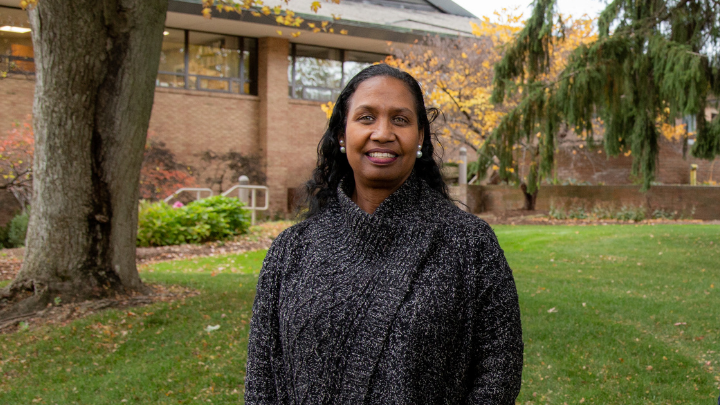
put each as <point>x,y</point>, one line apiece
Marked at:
<point>630,213</point>
<point>13,234</point>
<point>662,214</point>
<point>209,219</point>
<point>557,212</point>
<point>577,213</point>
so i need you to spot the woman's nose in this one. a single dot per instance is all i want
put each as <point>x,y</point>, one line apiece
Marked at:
<point>384,131</point>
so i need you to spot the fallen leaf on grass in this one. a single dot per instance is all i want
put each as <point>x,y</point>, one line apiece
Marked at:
<point>680,323</point>
<point>649,368</point>
<point>552,310</point>
<point>209,328</point>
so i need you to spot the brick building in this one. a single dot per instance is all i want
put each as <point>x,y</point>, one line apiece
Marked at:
<point>245,83</point>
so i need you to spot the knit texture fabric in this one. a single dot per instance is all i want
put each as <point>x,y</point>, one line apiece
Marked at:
<point>414,304</point>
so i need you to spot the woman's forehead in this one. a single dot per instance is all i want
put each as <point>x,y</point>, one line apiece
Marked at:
<point>382,92</point>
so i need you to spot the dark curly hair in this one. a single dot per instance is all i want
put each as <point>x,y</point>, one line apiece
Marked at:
<point>332,166</point>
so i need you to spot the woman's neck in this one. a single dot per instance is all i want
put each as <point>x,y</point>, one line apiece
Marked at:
<point>369,198</point>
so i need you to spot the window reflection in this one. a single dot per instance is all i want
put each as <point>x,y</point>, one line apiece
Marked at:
<point>172,59</point>
<point>212,62</point>
<point>16,48</point>
<point>317,73</point>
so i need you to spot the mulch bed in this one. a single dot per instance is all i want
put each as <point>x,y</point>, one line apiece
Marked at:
<point>61,315</point>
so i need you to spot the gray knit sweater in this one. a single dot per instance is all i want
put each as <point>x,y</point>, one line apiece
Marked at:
<point>414,304</point>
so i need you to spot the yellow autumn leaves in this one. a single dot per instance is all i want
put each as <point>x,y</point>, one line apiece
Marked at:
<point>283,16</point>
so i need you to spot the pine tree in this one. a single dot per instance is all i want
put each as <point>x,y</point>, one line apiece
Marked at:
<point>652,59</point>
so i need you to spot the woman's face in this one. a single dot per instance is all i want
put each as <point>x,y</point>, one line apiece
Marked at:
<point>382,133</point>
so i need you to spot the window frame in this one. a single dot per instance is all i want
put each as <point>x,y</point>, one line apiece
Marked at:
<point>252,75</point>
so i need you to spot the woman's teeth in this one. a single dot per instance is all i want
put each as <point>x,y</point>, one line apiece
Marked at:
<point>381,155</point>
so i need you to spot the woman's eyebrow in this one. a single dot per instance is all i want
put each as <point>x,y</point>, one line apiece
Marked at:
<point>364,107</point>
<point>367,107</point>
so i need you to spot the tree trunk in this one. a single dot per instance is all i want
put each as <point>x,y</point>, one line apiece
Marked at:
<point>96,63</point>
<point>530,199</point>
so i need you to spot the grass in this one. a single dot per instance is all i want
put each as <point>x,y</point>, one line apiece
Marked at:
<point>636,313</point>
<point>629,326</point>
<point>158,354</point>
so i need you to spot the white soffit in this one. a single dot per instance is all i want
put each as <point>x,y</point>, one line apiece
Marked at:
<point>248,29</point>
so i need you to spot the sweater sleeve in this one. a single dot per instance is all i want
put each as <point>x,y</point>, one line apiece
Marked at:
<point>264,341</point>
<point>498,334</point>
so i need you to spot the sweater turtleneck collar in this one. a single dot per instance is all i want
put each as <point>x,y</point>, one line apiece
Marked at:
<point>406,203</point>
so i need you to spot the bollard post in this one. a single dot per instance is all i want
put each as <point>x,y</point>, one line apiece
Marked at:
<point>462,167</point>
<point>243,193</point>
<point>693,175</point>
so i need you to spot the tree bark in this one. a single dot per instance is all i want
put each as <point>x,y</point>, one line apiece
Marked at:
<point>96,63</point>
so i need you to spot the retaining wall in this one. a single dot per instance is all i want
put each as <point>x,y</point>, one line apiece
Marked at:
<point>697,202</point>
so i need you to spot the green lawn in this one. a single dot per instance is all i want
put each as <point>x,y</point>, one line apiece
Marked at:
<point>618,293</point>
<point>612,337</point>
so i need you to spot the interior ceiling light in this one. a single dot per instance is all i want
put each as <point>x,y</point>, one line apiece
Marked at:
<point>10,28</point>
<point>166,33</point>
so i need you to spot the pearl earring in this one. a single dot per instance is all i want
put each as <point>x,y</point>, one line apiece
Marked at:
<point>342,147</point>
<point>419,153</point>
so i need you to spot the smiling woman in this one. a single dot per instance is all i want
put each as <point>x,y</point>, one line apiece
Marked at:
<point>386,292</point>
<point>382,136</point>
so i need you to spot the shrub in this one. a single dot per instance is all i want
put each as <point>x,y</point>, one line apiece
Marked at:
<point>13,234</point>
<point>161,174</point>
<point>630,213</point>
<point>209,219</point>
<point>557,212</point>
<point>577,213</point>
<point>603,212</point>
<point>662,214</point>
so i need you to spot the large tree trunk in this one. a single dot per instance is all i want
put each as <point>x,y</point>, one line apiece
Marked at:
<point>96,63</point>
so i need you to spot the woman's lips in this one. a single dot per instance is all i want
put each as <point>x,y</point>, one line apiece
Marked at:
<point>381,157</point>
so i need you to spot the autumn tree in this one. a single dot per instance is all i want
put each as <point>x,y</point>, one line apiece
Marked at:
<point>457,75</point>
<point>653,61</point>
<point>96,64</point>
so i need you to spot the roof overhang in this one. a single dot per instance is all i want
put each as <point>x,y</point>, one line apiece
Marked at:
<point>361,36</point>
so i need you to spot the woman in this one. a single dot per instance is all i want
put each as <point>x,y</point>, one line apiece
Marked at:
<point>386,293</point>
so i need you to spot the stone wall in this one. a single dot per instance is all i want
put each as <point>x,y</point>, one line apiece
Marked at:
<point>697,202</point>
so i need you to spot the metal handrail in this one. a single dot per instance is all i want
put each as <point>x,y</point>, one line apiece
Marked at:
<point>198,190</point>
<point>251,206</point>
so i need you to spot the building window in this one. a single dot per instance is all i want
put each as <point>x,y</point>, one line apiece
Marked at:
<point>317,73</point>
<point>16,48</point>
<point>212,62</point>
<point>690,123</point>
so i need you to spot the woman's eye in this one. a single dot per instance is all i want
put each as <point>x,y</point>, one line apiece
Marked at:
<point>401,120</point>
<point>365,118</point>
